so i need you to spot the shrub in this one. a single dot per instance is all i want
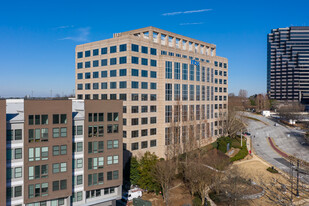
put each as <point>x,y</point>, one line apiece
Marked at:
<point>243,152</point>
<point>197,201</point>
<point>272,170</point>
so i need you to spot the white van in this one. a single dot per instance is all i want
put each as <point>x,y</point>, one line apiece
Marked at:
<point>134,193</point>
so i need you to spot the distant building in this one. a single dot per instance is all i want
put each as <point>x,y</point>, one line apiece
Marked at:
<point>60,152</point>
<point>288,64</point>
<point>162,77</point>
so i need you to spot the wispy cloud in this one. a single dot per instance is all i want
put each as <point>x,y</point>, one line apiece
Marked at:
<point>82,35</point>
<point>193,23</point>
<point>185,12</point>
<point>64,27</point>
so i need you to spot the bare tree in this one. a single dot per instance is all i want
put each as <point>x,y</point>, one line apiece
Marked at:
<point>164,172</point>
<point>243,93</point>
<point>290,111</point>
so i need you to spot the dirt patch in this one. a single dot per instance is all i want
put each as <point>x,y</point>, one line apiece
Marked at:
<point>179,195</point>
<point>232,152</point>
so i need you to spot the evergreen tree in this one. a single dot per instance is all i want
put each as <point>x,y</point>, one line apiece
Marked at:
<point>146,167</point>
<point>134,172</point>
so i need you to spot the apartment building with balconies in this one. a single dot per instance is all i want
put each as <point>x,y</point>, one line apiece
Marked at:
<point>60,152</point>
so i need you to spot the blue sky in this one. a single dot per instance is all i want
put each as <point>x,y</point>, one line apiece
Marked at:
<point>38,38</point>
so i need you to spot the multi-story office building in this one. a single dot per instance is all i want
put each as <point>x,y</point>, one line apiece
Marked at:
<point>288,64</point>
<point>60,152</point>
<point>155,72</point>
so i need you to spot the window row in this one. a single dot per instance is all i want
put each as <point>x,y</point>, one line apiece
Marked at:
<point>118,85</point>
<point>134,97</point>
<point>14,134</point>
<point>113,73</point>
<point>189,72</point>
<point>99,117</point>
<point>43,119</point>
<point>104,50</point>
<point>12,154</point>
<point>12,192</point>
<point>37,190</point>
<point>37,172</point>
<point>37,154</point>
<point>175,135</point>
<point>97,193</point>
<point>143,109</point>
<point>113,49</point>
<point>188,112</point>
<point>14,173</point>
<point>115,61</point>
<point>192,93</point>
<point>144,144</point>
<point>144,132</point>
<point>41,135</point>
<point>144,120</point>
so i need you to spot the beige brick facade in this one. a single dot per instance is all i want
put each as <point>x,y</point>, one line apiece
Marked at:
<point>170,47</point>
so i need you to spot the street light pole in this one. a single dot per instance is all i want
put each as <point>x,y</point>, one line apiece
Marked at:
<point>241,137</point>
<point>297,183</point>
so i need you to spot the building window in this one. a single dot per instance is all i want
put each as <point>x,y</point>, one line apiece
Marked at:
<point>79,55</point>
<point>168,92</point>
<point>153,63</point>
<point>122,60</point>
<point>134,133</point>
<point>184,71</point>
<point>192,72</point>
<point>87,64</point>
<point>153,74</point>
<point>134,85</point>
<point>153,51</point>
<point>144,62</point>
<point>191,92</point>
<point>134,47</point>
<point>176,70</point>
<point>104,50</point>
<point>123,97</point>
<point>153,143</point>
<point>168,113</point>
<point>103,74</point>
<point>134,97</point>
<point>144,144</point>
<point>104,62</point>
<point>176,92</point>
<point>134,146</point>
<point>95,63</point>
<point>123,72</point>
<point>153,85</point>
<point>153,131</point>
<point>144,50</point>
<point>113,61</point>
<point>134,60</point>
<point>79,65</point>
<point>144,85</point>
<point>122,84</point>
<point>122,47</point>
<point>168,70</point>
<point>134,72</point>
<point>113,85</point>
<point>113,49</point>
<point>134,121</point>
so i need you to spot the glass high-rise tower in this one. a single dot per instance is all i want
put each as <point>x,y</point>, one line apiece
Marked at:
<point>288,64</point>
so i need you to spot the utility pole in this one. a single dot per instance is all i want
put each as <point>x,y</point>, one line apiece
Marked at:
<point>241,137</point>
<point>297,183</point>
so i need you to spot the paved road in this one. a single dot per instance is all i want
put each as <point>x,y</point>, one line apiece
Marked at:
<point>288,140</point>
